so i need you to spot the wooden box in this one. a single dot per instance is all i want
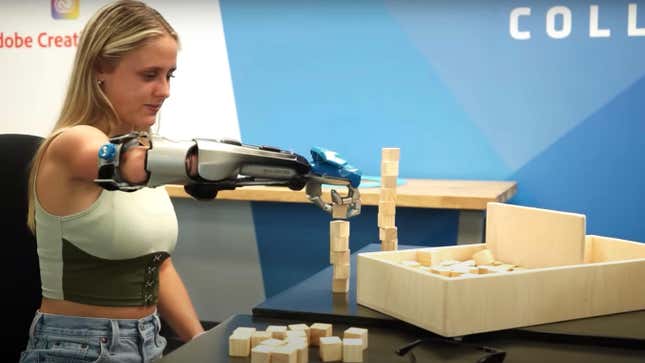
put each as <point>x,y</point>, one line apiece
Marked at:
<point>569,275</point>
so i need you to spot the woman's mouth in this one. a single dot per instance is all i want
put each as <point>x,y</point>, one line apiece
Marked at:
<point>153,108</point>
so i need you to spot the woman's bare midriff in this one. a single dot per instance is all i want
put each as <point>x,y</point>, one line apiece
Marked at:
<point>64,307</point>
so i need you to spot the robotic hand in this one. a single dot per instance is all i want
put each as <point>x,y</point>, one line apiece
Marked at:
<point>228,164</point>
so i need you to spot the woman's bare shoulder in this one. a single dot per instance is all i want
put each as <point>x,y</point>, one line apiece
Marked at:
<point>75,149</point>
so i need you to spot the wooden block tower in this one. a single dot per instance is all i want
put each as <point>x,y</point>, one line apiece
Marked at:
<point>387,200</point>
<point>339,254</point>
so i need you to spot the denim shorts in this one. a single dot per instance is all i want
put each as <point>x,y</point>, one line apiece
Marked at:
<point>70,339</point>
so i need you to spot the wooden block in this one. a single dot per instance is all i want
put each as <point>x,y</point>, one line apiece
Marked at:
<point>284,354</point>
<point>424,258</point>
<point>352,350</point>
<point>483,257</point>
<point>389,245</point>
<point>277,331</point>
<point>388,181</point>
<point>294,335</point>
<point>340,285</point>
<point>339,229</point>
<point>302,348</point>
<point>340,257</point>
<point>390,168</point>
<point>387,195</point>
<point>534,237</point>
<point>273,342</point>
<point>261,354</point>
<point>440,270</point>
<point>390,154</point>
<point>318,330</point>
<point>331,349</point>
<point>340,272</point>
<point>239,345</point>
<point>387,233</point>
<point>387,208</point>
<point>339,211</point>
<point>356,333</point>
<point>339,244</point>
<point>244,331</point>
<point>301,327</point>
<point>385,220</point>
<point>259,336</point>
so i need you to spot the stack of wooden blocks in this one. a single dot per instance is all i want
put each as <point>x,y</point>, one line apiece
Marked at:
<point>339,254</point>
<point>387,199</point>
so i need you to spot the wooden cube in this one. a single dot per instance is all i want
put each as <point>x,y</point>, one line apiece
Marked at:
<point>340,271</point>
<point>339,228</point>
<point>302,347</point>
<point>239,345</point>
<point>356,333</point>
<point>424,258</point>
<point>261,354</point>
<point>385,220</point>
<point>260,336</point>
<point>390,154</point>
<point>387,208</point>
<point>390,245</point>
<point>390,168</point>
<point>341,257</point>
<point>284,354</point>
<point>295,335</point>
<point>339,211</point>
<point>302,327</point>
<point>352,350</point>
<point>387,195</point>
<point>339,244</point>
<point>388,233</point>
<point>273,342</point>
<point>318,330</point>
<point>244,331</point>
<point>331,349</point>
<point>388,181</point>
<point>483,257</point>
<point>277,331</point>
<point>340,285</point>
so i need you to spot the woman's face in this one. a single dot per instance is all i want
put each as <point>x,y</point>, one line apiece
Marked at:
<point>139,84</point>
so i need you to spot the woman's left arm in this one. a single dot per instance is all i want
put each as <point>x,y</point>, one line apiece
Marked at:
<point>174,303</point>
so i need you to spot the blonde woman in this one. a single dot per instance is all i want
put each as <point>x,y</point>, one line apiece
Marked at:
<point>105,255</point>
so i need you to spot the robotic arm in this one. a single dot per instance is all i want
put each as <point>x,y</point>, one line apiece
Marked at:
<point>229,164</point>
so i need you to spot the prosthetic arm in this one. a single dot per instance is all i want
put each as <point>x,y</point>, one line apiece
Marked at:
<point>229,164</point>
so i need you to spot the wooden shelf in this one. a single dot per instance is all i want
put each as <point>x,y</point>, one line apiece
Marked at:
<point>417,193</point>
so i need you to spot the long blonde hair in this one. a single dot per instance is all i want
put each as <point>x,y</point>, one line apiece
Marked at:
<point>112,32</point>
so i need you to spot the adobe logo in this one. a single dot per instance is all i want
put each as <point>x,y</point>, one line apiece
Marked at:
<point>65,9</point>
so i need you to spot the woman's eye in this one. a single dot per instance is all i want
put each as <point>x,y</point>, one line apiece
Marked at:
<point>170,75</point>
<point>149,76</point>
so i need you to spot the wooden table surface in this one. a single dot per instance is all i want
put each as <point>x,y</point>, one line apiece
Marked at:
<point>418,193</point>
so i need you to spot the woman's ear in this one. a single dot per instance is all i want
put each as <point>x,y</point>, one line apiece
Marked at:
<point>101,69</point>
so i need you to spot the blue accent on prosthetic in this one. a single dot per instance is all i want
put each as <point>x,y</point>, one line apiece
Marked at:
<point>329,163</point>
<point>107,151</point>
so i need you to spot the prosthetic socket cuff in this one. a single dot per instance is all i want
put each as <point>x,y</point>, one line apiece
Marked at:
<point>109,157</point>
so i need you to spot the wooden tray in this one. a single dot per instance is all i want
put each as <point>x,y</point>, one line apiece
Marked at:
<point>571,276</point>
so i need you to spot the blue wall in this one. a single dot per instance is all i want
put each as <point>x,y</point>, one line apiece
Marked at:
<point>447,83</point>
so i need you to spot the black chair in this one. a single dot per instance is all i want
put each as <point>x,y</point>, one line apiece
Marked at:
<point>21,276</point>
